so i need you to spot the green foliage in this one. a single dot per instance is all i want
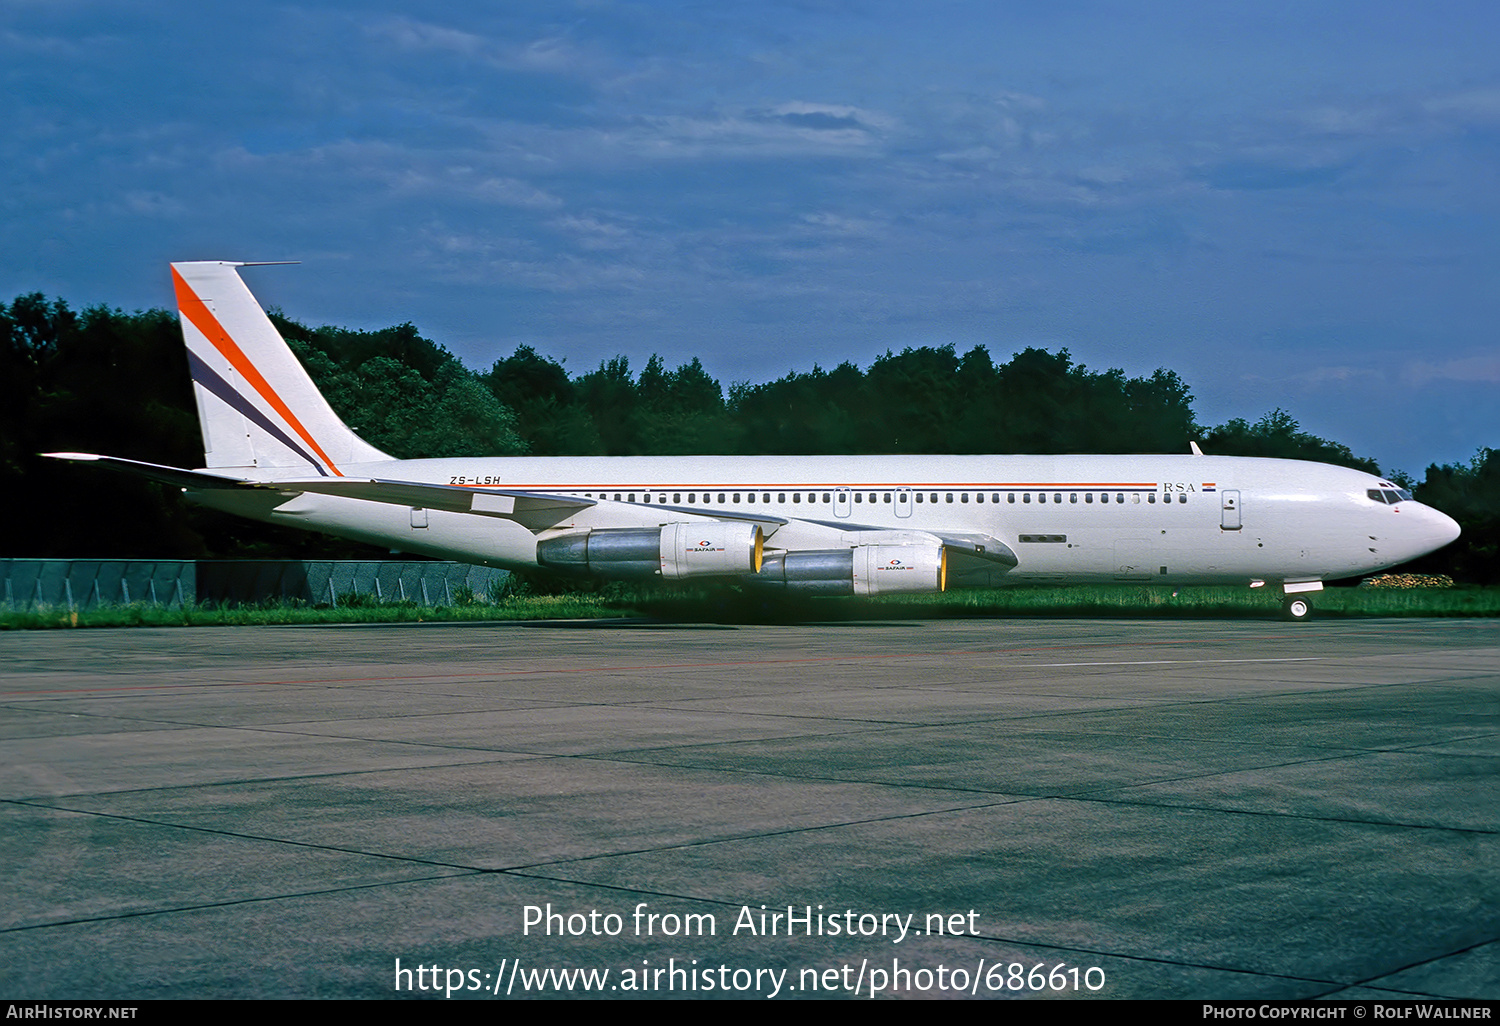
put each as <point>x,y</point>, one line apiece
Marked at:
<point>404,394</point>
<point>931,400</point>
<point>1470,494</point>
<point>549,414</point>
<point>99,381</point>
<point>1278,435</point>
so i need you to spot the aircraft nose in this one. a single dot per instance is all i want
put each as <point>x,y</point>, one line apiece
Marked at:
<point>1446,528</point>
<point>1434,529</point>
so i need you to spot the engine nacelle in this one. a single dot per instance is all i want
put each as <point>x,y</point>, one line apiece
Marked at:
<point>714,549</point>
<point>863,570</point>
<point>675,551</point>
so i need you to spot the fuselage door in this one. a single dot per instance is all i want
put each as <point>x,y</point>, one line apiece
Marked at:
<point>841,507</point>
<point>1230,505</point>
<point>903,502</point>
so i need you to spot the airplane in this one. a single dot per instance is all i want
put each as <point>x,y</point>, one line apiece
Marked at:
<point>274,450</point>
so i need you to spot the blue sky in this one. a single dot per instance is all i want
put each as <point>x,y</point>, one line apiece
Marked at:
<point>1290,204</point>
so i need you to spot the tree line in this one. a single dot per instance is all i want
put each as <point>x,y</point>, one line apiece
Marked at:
<point>102,380</point>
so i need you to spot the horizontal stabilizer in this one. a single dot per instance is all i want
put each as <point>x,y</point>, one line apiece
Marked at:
<point>155,471</point>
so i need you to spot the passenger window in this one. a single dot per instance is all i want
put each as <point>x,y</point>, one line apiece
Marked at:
<point>859,496</point>
<point>1135,498</point>
<point>1120,497</point>
<point>1057,496</point>
<point>1010,496</point>
<point>919,496</point>
<point>887,496</point>
<point>1151,498</point>
<point>950,496</point>
<point>1041,496</point>
<point>1026,498</point>
<point>964,497</point>
<point>978,496</point>
<point>1182,498</point>
<point>781,497</point>
<point>1072,496</point>
<point>827,497</point>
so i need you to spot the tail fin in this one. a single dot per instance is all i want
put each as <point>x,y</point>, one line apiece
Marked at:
<point>258,408</point>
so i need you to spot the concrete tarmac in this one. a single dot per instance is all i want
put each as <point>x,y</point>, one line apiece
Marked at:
<point>1157,809</point>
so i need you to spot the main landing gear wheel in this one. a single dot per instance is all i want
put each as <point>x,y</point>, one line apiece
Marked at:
<point>1296,608</point>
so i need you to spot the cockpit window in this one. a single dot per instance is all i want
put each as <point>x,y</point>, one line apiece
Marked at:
<point>1389,496</point>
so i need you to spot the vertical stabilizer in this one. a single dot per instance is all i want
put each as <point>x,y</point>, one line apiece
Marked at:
<point>258,407</point>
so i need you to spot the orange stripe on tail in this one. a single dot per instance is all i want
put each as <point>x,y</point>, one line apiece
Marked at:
<point>195,310</point>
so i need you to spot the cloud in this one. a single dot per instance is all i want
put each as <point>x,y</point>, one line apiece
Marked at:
<point>1249,175</point>
<point>408,34</point>
<point>513,192</point>
<point>1469,369</point>
<point>828,223</point>
<point>551,54</point>
<point>831,117</point>
<point>153,204</point>
<point>1414,115</point>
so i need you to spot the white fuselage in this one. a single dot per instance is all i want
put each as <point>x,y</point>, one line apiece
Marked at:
<point>1169,519</point>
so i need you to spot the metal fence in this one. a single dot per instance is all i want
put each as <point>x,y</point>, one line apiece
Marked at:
<point>88,583</point>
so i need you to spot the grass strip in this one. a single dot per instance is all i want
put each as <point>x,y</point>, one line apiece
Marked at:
<point>702,605</point>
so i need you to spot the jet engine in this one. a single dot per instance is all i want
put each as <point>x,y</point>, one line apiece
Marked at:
<point>862,570</point>
<point>674,551</point>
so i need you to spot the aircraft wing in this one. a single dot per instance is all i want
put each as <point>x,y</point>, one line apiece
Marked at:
<point>979,549</point>
<point>536,510</point>
<point>489,502</point>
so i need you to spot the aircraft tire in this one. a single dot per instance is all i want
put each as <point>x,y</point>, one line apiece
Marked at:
<point>1296,608</point>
